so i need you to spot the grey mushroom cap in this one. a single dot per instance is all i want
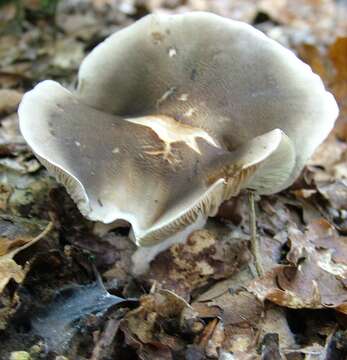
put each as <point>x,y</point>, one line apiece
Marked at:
<point>214,73</point>
<point>172,116</point>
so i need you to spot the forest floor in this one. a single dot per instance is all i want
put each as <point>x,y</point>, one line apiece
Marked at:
<point>201,299</point>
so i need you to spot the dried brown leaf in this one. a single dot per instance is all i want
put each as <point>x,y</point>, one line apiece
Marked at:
<point>241,313</point>
<point>317,15</point>
<point>9,269</point>
<point>206,255</point>
<point>239,309</point>
<point>9,100</point>
<point>316,276</point>
<point>275,322</point>
<point>215,343</point>
<point>105,340</point>
<point>243,10</point>
<point>335,192</point>
<point>329,160</point>
<point>145,328</point>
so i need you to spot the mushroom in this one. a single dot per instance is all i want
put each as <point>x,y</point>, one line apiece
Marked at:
<point>172,116</point>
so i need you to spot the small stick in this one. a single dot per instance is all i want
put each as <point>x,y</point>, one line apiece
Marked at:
<point>253,233</point>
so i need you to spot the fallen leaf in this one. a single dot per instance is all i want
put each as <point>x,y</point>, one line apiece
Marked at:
<point>319,16</point>
<point>242,10</point>
<point>329,160</point>
<point>9,269</point>
<point>238,309</point>
<point>270,347</point>
<point>316,275</point>
<point>67,53</point>
<point>241,314</point>
<point>9,130</point>
<point>336,346</point>
<point>206,255</point>
<point>215,342</point>
<point>232,285</point>
<point>275,322</point>
<point>155,324</point>
<point>335,192</point>
<point>9,100</point>
<point>104,345</point>
<point>7,14</point>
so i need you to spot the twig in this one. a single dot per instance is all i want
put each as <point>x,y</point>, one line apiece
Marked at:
<point>253,233</point>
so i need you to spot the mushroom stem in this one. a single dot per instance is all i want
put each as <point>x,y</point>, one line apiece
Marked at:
<point>253,233</point>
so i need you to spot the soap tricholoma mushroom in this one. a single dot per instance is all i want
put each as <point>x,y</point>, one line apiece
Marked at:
<point>172,116</point>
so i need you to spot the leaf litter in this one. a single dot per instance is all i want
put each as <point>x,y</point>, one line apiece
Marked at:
<point>200,299</point>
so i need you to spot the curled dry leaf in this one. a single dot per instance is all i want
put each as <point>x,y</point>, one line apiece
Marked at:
<point>317,271</point>
<point>11,243</point>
